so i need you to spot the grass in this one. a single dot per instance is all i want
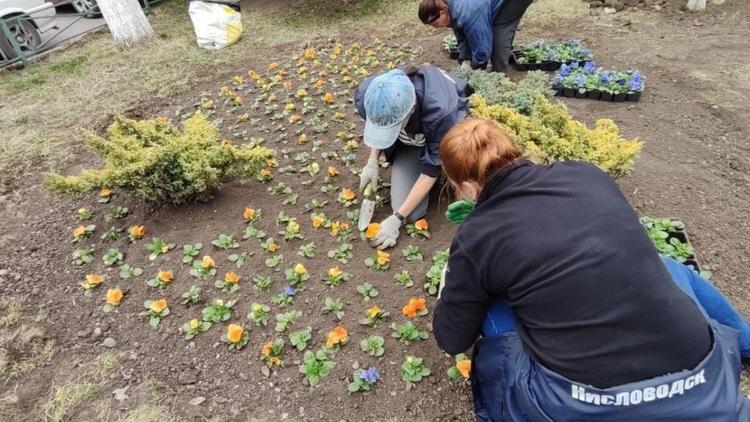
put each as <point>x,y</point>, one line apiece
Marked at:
<point>24,344</point>
<point>68,397</point>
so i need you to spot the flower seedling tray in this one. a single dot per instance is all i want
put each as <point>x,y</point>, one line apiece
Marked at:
<point>452,53</point>
<point>598,95</point>
<point>691,261</point>
<point>548,66</point>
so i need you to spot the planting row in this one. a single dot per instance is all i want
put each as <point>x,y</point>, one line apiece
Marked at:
<point>590,81</point>
<point>670,239</point>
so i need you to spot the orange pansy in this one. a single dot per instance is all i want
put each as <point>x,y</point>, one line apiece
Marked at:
<point>248,214</point>
<point>464,367</point>
<point>208,262</point>
<point>421,224</point>
<point>300,269</point>
<point>272,248</point>
<point>234,333</point>
<point>114,296</point>
<point>231,278</point>
<point>79,231</point>
<point>348,194</point>
<point>335,272</point>
<point>383,258</point>
<point>166,276</point>
<point>105,192</point>
<point>374,311</point>
<point>328,97</point>
<point>137,231</point>
<point>158,306</point>
<point>266,348</point>
<point>372,230</point>
<point>339,335</point>
<point>333,171</point>
<point>318,221</point>
<point>94,279</point>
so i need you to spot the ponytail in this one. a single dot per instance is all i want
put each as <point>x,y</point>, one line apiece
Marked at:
<point>429,10</point>
<point>475,150</point>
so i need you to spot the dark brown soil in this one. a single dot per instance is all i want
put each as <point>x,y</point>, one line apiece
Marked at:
<point>695,166</point>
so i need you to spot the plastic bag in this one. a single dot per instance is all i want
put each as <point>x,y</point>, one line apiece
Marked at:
<point>216,24</point>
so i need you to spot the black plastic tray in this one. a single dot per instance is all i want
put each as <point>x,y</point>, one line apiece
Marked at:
<point>545,66</point>
<point>598,95</point>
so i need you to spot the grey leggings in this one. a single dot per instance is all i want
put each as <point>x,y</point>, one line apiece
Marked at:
<point>404,175</point>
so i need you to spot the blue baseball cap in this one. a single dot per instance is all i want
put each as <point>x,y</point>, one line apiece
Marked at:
<point>389,100</point>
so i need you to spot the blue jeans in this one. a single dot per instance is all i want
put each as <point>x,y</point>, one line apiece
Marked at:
<point>710,301</point>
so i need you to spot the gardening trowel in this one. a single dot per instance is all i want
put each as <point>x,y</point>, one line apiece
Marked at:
<point>368,207</point>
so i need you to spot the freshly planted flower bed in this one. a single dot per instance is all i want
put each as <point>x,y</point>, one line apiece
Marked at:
<point>543,55</point>
<point>588,81</point>
<point>670,239</point>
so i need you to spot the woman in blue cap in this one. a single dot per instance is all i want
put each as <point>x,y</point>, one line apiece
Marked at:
<point>484,29</point>
<point>407,112</point>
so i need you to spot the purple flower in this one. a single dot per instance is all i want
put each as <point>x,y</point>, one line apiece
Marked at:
<point>370,375</point>
<point>622,81</point>
<point>564,70</point>
<point>289,291</point>
<point>574,65</point>
<point>589,67</point>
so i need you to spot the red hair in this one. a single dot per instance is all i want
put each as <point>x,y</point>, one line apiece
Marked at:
<point>475,150</point>
<point>429,10</point>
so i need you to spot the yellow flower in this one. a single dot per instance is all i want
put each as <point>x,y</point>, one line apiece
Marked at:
<point>257,307</point>
<point>272,247</point>
<point>231,278</point>
<point>302,139</point>
<point>333,171</point>
<point>194,324</point>
<point>301,93</point>
<point>421,225</point>
<point>208,262</point>
<point>79,232</point>
<point>318,221</point>
<point>293,226</point>
<point>219,302</point>
<point>300,269</point>
<point>328,97</point>
<point>166,276</point>
<point>287,85</point>
<point>226,142</point>
<point>272,66</point>
<point>295,118</point>
<point>335,272</point>
<point>239,79</point>
<point>348,194</point>
<point>374,311</point>
<point>114,296</point>
<point>310,53</point>
<point>207,105</point>
<point>464,367</point>
<point>383,258</point>
<point>234,333</point>
<point>158,306</point>
<point>372,230</point>
<point>266,172</point>
<point>352,144</point>
<point>248,214</point>
<point>94,279</point>
<point>319,84</point>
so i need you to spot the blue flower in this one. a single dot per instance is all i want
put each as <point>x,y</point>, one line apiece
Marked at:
<point>585,54</point>
<point>580,81</point>
<point>589,67</point>
<point>557,80</point>
<point>604,79</point>
<point>564,70</point>
<point>370,375</point>
<point>289,291</point>
<point>574,65</point>
<point>636,83</point>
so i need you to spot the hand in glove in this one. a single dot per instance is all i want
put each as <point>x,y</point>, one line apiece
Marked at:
<point>369,175</point>
<point>386,237</point>
<point>459,210</point>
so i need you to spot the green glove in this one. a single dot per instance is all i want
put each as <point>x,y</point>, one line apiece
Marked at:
<point>458,211</point>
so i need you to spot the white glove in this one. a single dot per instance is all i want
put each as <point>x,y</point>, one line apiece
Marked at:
<point>466,64</point>
<point>386,237</point>
<point>369,175</point>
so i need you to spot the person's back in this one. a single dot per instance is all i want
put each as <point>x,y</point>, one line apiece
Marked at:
<point>592,299</point>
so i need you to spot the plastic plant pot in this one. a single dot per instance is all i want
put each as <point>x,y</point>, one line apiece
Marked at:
<point>634,96</point>
<point>595,94</point>
<point>569,92</point>
<point>620,97</point>
<point>581,94</point>
<point>605,96</point>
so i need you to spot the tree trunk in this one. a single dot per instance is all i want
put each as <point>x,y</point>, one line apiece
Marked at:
<point>126,21</point>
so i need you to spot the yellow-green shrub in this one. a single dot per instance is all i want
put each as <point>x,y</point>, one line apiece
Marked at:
<point>550,133</point>
<point>155,161</point>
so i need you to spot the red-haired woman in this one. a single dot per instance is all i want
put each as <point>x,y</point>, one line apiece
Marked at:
<point>484,29</point>
<point>579,317</point>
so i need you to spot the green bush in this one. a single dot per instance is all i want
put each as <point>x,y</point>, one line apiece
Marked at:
<point>549,133</point>
<point>496,88</point>
<point>155,161</point>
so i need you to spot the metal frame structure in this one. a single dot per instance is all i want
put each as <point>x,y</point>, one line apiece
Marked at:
<point>61,37</point>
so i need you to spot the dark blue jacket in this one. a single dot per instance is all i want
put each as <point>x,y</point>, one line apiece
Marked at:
<point>442,102</point>
<point>471,21</point>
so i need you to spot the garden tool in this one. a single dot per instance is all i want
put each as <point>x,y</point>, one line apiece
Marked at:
<point>368,207</point>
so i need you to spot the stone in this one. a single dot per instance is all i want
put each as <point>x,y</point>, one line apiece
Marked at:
<point>97,332</point>
<point>610,10</point>
<point>187,377</point>
<point>3,272</point>
<point>265,371</point>
<point>355,364</point>
<point>120,394</point>
<point>197,401</point>
<point>615,4</point>
<point>109,342</point>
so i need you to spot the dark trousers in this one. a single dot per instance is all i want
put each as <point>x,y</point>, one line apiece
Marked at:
<point>504,31</point>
